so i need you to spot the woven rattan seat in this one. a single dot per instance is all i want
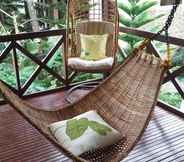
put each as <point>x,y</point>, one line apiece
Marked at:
<point>125,100</point>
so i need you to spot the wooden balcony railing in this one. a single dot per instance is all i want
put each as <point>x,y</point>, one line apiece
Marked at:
<point>14,45</point>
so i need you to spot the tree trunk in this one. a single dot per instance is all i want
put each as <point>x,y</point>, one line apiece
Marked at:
<point>55,13</point>
<point>32,15</point>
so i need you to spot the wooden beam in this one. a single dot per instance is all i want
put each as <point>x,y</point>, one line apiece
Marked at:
<point>16,68</point>
<point>65,58</point>
<point>40,63</point>
<point>174,74</point>
<point>145,34</point>
<point>32,35</point>
<point>137,32</point>
<point>178,86</point>
<point>6,51</point>
<point>170,108</point>
<point>72,76</point>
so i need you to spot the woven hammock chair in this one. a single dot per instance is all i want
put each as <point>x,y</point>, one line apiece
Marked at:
<point>91,17</point>
<point>127,98</point>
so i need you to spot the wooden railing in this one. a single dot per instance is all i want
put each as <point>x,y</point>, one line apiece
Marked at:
<point>14,45</point>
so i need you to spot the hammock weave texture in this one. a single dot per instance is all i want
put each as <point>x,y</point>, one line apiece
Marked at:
<point>125,100</point>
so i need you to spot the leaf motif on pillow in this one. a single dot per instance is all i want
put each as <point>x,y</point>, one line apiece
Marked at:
<point>99,128</point>
<point>87,53</point>
<point>76,128</point>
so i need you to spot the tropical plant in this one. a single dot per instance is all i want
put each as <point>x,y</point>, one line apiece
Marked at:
<point>173,98</point>
<point>135,14</point>
<point>13,8</point>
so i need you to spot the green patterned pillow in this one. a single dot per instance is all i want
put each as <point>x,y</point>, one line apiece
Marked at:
<point>93,47</point>
<point>73,133</point>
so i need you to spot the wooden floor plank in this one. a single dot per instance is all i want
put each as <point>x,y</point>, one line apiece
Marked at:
<point>160,151</point>
<point>157,147</point>
<point>20,142</point>
<point>162,141</point>
<point>179,157</point>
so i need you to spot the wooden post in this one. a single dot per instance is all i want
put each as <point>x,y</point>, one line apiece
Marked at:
<point>66,44</point>
<point>16,68</point>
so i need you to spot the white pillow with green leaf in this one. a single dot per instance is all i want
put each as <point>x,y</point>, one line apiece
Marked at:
<point>85,132</point>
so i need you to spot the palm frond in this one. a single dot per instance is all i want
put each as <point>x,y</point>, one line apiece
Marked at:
<point>131,39</point>
<point>124,21</point>
<point>143,6</point>
<point>143,19</point>
<point>125,7</point>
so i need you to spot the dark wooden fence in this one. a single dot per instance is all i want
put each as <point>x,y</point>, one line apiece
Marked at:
<point>14,45</point>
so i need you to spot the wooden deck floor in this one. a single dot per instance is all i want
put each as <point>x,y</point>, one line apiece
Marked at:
<point>20,142</point>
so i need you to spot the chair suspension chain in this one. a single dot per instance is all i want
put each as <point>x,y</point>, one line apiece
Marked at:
<point>164,29</point>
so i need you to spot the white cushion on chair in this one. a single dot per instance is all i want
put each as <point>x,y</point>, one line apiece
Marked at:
<point>79,64</point>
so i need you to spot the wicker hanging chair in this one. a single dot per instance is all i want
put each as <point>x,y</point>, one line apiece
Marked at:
<point>125,100</point>
<point>91,17</point>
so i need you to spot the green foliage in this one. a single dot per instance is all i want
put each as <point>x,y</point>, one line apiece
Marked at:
<point>135,14</point>
<point>87,76</point>
<point>12,7</point>
<point>76,128</point>
<point>31,46</point>
<point>173,99</point>
<point>7,73</point>
<point>2,47</point>
<point>178,57</point>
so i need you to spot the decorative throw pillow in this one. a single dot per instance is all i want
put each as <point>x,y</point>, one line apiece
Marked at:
<point>93,47</point>
<point>84,132</point>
